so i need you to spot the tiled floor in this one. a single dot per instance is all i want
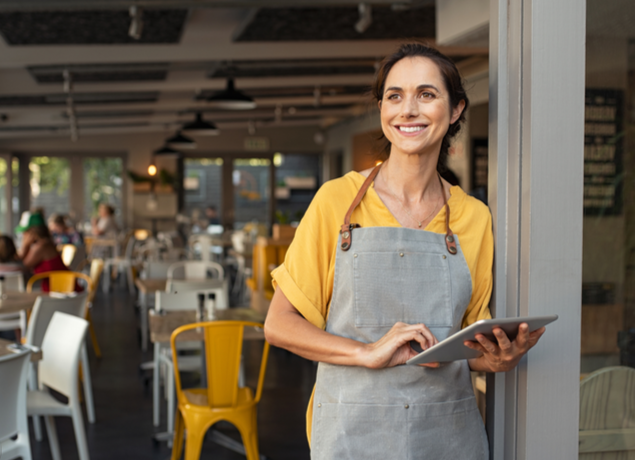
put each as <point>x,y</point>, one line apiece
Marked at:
<point>123,402</point>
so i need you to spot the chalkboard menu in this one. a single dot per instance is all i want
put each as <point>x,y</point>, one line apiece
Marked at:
<point>603,147</point>
<point>479,168</point>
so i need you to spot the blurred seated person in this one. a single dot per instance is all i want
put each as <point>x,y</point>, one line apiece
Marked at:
<point>62,233</point>
<point>105,224</point>
<point>212,216</point>
<point>38,251</point>
<point>9,261</point>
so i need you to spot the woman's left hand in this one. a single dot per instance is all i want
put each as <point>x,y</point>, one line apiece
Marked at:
<point>505,354</point>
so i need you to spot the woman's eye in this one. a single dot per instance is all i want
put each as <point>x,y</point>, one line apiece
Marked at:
<point>392,96</point>
<point>427,95</point>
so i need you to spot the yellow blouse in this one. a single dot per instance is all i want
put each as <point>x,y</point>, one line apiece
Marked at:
<point>307,275</point>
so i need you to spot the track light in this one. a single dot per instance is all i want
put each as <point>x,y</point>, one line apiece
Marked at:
<point>365,18</point>
<point>136,25</point>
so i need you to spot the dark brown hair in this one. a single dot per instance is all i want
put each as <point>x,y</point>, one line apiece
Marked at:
<point>451,78</point>
<point>7,250</point>
<point>41,231</point>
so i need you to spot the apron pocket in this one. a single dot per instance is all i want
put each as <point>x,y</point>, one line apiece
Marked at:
<point>452,429</point>
<point>358,431</point>
<point>413,287</point>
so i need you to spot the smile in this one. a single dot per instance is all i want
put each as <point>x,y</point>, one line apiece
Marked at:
<point>410,129</point>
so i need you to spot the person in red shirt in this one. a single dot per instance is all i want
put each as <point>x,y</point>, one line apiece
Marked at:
<point>38,251</point>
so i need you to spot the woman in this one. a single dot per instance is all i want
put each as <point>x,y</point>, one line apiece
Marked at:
<point>38,251</point>
<point>418,269</point>
<point>62,233</point>
<point>105,224</point>
<point>9,261</point>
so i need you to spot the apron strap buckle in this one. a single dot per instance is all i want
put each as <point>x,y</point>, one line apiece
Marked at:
<point>347,235</point>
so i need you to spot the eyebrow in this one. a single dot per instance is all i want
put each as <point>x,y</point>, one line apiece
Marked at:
<point>419,88</point>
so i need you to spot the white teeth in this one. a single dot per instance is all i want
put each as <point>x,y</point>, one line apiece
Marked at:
<point>410,129</point>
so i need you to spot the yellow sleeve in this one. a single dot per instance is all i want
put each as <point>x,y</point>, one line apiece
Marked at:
<point>482,277</point>
<point>306,277</point>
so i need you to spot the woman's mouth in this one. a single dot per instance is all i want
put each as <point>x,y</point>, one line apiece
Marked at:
<point>411,129</point>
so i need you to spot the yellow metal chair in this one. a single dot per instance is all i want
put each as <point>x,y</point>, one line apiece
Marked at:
<point>96,269</point>
<point>60,280</point>
<point>64,281</point>
<point>199,408</point>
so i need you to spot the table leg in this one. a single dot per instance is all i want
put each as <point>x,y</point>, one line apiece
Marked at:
<point>144,322</point>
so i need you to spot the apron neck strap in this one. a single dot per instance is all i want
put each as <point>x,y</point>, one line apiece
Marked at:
<point>450,241</point>
<point>347,228</point>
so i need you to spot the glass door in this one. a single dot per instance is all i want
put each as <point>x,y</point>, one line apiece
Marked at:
<point>252,198</point>
<point>203,192</point>
<point>50,179</point>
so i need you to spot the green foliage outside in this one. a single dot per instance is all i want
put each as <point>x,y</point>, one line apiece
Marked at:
<point>53,175</point>
<point>102,179</point>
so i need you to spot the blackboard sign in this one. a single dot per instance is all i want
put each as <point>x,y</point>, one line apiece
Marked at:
<point>480,168</point>
<point>603,148</point>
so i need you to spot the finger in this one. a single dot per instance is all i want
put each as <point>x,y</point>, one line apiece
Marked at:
<point>502,339</point>
<point>425,332</point>
<point>535,336</point>
<point>474,346</point>
<point>488,346</point>
<point>431,365</point>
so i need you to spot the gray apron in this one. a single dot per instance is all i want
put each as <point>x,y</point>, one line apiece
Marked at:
<point>405,412</point>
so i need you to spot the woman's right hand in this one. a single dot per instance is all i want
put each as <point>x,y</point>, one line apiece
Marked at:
<point>394,347</point>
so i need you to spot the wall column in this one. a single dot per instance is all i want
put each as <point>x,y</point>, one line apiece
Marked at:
<point>536,136</point>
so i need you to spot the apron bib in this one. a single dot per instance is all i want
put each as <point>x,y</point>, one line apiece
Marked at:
<point>405,412</point>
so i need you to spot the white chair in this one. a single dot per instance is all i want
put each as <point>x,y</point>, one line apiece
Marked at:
<point>13,281</point>
<point>61,349</point>
<point>124,263</point>
<point>607,412</point>
<point>194,270</point>
<point>43,310</point>
<point>14,429</point>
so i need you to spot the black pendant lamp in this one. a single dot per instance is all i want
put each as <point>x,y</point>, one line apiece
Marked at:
<point>179,141</point>
<point>200,127</point>
<point>167,152</point>
<point>230,98</point>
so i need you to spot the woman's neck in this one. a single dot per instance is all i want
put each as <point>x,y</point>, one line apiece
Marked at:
<point>413,178</point>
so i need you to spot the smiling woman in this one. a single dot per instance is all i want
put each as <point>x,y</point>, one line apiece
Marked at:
<point>419,269</point>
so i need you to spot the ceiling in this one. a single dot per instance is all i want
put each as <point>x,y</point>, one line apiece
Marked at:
<point>302,61</point>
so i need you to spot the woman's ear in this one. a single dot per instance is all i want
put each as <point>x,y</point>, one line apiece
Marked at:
<point>457,111</point>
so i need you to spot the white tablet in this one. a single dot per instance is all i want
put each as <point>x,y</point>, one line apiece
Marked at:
<point>453,349</point>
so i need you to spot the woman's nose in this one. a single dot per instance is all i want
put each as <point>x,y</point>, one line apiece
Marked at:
<point>409,108</point>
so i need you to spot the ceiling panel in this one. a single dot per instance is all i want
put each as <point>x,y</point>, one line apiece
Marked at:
<point>108,27</point>
<point>311,24</point>
<point>100,73</point>
<point>80,98</point>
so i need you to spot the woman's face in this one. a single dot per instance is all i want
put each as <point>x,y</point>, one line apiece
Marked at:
<point>415,108</point>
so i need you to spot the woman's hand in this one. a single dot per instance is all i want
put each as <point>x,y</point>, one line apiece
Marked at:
<point>504,355</point>
<point>394,348</point>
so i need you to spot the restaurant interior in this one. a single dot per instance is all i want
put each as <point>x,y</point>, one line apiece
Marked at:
<point>174,146</point>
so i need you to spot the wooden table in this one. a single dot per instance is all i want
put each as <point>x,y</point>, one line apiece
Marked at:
<point>36,354</point>
<point>14,302</point>
<point>147,287</point>
<point>152,286</point>
<point>163,324</point>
